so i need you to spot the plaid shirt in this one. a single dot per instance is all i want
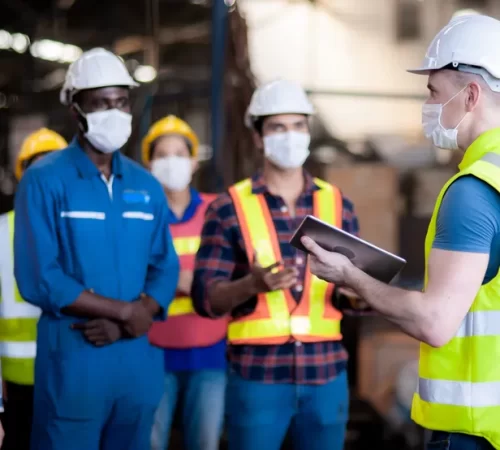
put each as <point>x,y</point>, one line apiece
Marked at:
<point>222,257</point>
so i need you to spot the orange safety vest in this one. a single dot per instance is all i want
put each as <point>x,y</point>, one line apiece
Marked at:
<point>184,328</point>
<point>277,317</point>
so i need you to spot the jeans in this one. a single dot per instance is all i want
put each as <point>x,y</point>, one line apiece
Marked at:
<point>202,395</point>
<point>259,414</point>
<point>441,440</point>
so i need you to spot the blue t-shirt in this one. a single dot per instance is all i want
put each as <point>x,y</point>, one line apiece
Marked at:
<point>469,221</point>
<point>200,358</point>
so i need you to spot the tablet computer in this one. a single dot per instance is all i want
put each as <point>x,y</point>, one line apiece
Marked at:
<point>376,262</point>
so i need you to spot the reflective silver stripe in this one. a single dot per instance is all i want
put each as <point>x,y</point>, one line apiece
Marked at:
<point>96,215</point>
<point>480,323</point>
<point>493,158</point>
<point>137,215</point>
<point>18,349</point>
<point>459,393</point>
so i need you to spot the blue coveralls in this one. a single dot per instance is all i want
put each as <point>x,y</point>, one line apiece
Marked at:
<point>76,231</point>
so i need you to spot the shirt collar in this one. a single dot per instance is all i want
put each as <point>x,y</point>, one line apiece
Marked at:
<point>486,143</point>
<point>190,211</point>
<point>259,184</point>
<point>86,168</point>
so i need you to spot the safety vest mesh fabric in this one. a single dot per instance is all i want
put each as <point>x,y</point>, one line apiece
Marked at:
<point>277,317</point>
<point>459,383</point>
<point>184,328</point>
<point>18,319</point>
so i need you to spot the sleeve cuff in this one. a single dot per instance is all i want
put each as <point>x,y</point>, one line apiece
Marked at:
<point>157,295</point>
<point>65,296</point>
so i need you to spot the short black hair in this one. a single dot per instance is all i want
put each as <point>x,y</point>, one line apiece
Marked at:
<point>258,123</point>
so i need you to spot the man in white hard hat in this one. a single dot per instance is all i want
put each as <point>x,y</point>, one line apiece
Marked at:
<point>288,365</point>
<point>93,250</point>
<point>457,316</point>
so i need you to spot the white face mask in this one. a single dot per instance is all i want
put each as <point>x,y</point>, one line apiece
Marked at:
<point>287,150</point>
<point>446,138</point>
<point>173,172</point>
<point>108,130</point>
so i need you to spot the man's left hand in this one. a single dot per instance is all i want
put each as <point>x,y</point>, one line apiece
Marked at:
<point>328,266</point>
<point>99,332</point>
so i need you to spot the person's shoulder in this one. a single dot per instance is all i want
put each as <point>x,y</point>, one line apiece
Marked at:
<point>471,191</point>
<point>50,163</point>
<point>347,203</point>
<point>222,205</point>
<point>52,167</point>
<point>134,167</point>
<point>140,175</point>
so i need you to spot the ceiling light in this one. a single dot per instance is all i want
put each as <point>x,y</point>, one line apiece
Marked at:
<point>70,53</point>
<point>145,74</point>
<point>5,39</point>
<point>20,42</point>
<point>47,49</point>
<point>55,51</point>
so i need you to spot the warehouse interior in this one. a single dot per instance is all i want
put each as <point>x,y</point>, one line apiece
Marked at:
<point>202,60</point>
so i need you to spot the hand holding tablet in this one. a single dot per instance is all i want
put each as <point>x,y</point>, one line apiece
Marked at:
<point>374,261</point>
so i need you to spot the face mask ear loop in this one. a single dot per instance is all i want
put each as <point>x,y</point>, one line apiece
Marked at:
<point>82,123</point>
<point>444,104</point>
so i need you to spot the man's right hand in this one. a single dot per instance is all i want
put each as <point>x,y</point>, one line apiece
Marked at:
<point>266,279</point>
<point>137,320</point>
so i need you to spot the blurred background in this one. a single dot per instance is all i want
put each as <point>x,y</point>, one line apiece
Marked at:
<point>201,60</point>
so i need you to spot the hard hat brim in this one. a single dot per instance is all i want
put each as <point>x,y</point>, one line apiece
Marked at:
<point>420,71</point>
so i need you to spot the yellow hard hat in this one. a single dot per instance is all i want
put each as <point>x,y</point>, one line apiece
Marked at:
<point>168,125</point>
<point>41,141</point>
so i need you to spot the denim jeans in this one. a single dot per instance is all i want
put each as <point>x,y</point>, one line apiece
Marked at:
<point>259,414</point>
<point>202,395</point>
<point>441,440</point>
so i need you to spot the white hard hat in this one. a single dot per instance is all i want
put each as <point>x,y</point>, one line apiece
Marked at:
<point>469,44</point>
<point>278,97</point>
<point>96,68</point>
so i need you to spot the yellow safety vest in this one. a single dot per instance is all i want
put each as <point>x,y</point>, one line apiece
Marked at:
<point>18,319</point>
<point>459,383</point>
<point>277,317</point>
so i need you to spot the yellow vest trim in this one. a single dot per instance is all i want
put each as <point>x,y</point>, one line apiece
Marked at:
<point>186,245</point>
<point>181,306</point>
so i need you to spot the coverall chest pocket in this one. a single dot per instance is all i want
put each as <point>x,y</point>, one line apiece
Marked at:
<point>79,226</point>
<point>138,227</point>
